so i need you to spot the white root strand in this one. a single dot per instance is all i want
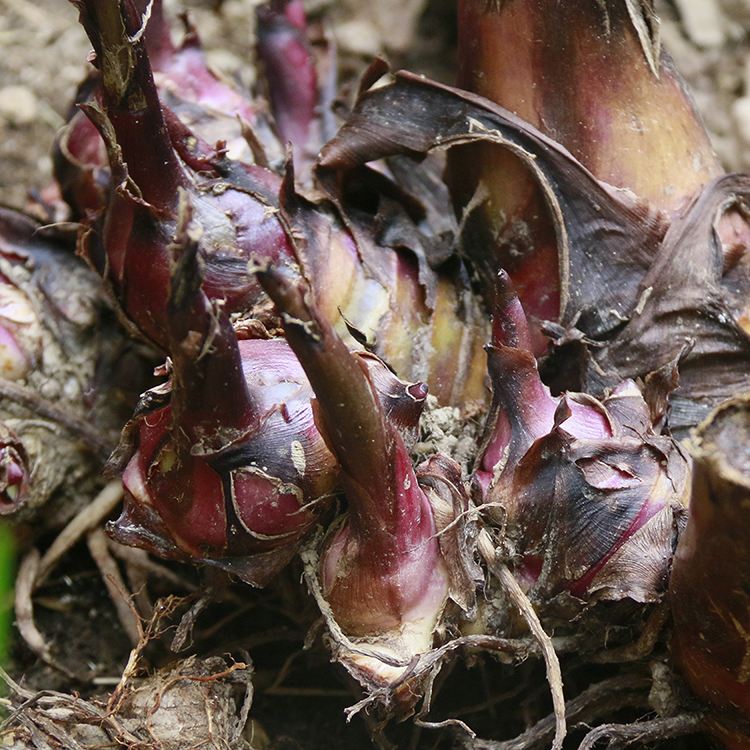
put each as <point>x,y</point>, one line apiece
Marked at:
<point>126,612</point>
<point>89,518</point>
<point>520,600</point>
<point>24,611</point>
<point>27,573</point>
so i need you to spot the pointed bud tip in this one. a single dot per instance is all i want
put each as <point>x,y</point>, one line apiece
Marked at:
<point>14,473</point>
<point>510,326</point>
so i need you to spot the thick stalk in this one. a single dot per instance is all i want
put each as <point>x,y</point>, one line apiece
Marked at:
<point>131,99</point>
<point>590,75</point>
<point>382,571</point>
<point>710,583</point>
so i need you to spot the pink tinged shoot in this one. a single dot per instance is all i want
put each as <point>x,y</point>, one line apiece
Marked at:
<point>290,74</point>
<point>588,490</point>
<point>220,474</point>
<point>225,464</point>
<point>152,155</point>
<point>381,568</point>
<point>14,472</point>
<point>213,107</point>
<point>251,212</point>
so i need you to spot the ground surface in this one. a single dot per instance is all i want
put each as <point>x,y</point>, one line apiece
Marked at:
<point>44,54</point>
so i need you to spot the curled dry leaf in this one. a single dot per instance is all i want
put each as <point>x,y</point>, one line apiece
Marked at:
<point>606,240</point>
<point>693,308</point>
<point>625,281</point>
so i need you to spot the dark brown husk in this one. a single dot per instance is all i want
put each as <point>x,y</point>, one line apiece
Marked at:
<point>710,583</point>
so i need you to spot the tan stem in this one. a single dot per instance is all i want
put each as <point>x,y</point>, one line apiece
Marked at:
<point>710,583</point>
<point>582,72</point>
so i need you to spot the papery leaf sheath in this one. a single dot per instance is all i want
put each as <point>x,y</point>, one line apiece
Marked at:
<point>586,490</point>
<point>691,308</point>
<point>606,240</point>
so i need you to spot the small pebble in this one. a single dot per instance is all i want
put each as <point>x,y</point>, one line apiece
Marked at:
<point>741,113</point>
<point>18,105</point>
<point>359,37</point>
<point>704,22</point>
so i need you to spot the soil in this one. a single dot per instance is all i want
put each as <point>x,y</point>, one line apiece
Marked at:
<point>44,53</point>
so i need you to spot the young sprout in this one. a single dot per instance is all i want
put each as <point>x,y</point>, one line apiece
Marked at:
<point>589,491</point>
<point>223,464</point>
<point>382,569</point>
